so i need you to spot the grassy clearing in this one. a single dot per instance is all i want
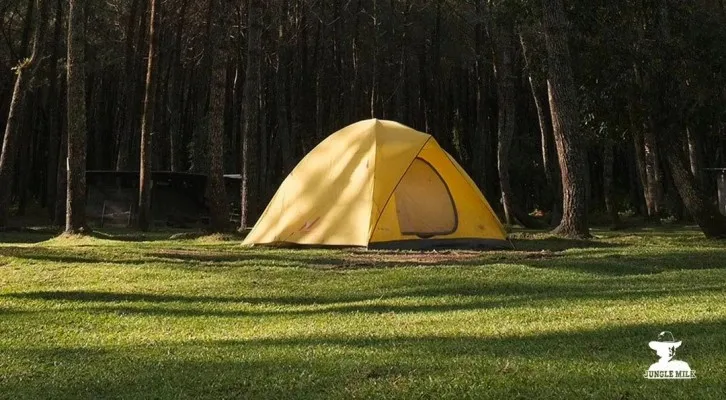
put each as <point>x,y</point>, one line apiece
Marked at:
<point>119,316</point>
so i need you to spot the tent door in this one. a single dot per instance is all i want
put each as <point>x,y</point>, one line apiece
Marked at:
<point>424,204</point>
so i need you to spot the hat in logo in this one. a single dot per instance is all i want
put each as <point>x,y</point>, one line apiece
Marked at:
<point>665,340</point>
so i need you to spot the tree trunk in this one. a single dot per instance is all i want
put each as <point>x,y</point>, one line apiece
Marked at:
<point>653,173</point>
<point>505,54</point>
<point>76,161</point>
<point>642,175</point>
<point>251,114</point>
<point>24,71</point>
<point>696,201</point>
<point>608,187</point>
<point>563,108</point>
<point>703,211</point>
<point>54,117</point>
<point>144,210</point>
<point>506,92</point>
<point>216,195</point>
<point>694,156</point>
<point>281,85</point>
<point>177,96</point>
<point>538,87</point>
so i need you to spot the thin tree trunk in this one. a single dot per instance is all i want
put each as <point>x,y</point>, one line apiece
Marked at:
<point>640,164</point>
<point>281,84</point>
<point>144,210</point>
<point>54,116</point>
<point>538,87</point>
<point>76,161</point>
<point>177,96</point>
<point>125,121</point>
<point>506,92</point>
<point>505,51</point>
<point>251,114</point>
<point>653,174</point>
<point>216,195</point>
<point>563,108</point>
<point>24,72</point>
<point>608,187</point>
<point>59,213</point>
<point>694,156</point>
<point>374,74</point>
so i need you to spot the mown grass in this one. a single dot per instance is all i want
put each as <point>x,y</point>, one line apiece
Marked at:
<point>120,316</point>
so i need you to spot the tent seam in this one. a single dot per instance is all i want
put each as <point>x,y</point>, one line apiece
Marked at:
<point>388,200</point>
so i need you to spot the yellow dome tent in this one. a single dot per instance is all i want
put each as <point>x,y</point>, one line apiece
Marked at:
<point>378,184</point>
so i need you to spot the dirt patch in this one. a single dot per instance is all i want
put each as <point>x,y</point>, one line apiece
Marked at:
<point>412,258</point>
<point>384,259</point>
<point>190,255</point>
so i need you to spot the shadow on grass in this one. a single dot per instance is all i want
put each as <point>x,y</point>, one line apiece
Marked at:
<point>28,236</point>
<point>434,297</point>
<point>64,255</point>
<point>617,264</point>
<point>702,336</point>
<point>12,311</point>
<point>607,363</point>
<point>524,243</point>
<point>598,263</point>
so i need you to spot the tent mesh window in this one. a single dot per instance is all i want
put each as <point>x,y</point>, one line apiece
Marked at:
<point>423,202</point>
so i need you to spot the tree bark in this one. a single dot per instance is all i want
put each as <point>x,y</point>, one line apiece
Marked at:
<point>608,187</point>
<point>506,102</point>
<point>248,196</point>
<point>76,161</point>
<point>671,140</point>
<point>563,108</point>
<point>653,173</point>
<point>216,195</point>
<point>54,117</point>
<point>144,209</point>
<point>703,211</point>
<point>505,58</point>
<point>177,96</point>
<point>639,149</point>
<point>694,156</point>
<point>24,72</point>
<point>538,87</point>
<point>281,87</point>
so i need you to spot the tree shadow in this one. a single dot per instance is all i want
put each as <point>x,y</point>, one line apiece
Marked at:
<point>63,255</point>
<point>12,312</point>
<point>429,297</point>
<point>556,244</point>
<point>610,361</point>
<point>27,236</point>
<point>617,264</point>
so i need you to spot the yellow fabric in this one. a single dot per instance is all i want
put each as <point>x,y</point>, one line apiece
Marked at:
<point>423,204</point>
<point>396,146</point>
<point>475,217</point>
<point>343,191</point>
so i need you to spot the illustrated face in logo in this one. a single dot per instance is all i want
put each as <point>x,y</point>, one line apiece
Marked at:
<point>666,353</point>
<point>665,346</point>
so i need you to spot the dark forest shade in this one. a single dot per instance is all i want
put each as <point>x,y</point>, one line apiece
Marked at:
<point>293,70</point>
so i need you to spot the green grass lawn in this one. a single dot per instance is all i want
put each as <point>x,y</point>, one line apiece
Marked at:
<point>109,317</point>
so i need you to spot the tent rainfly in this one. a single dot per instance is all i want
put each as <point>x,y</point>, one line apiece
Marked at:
<point>379,184</point>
